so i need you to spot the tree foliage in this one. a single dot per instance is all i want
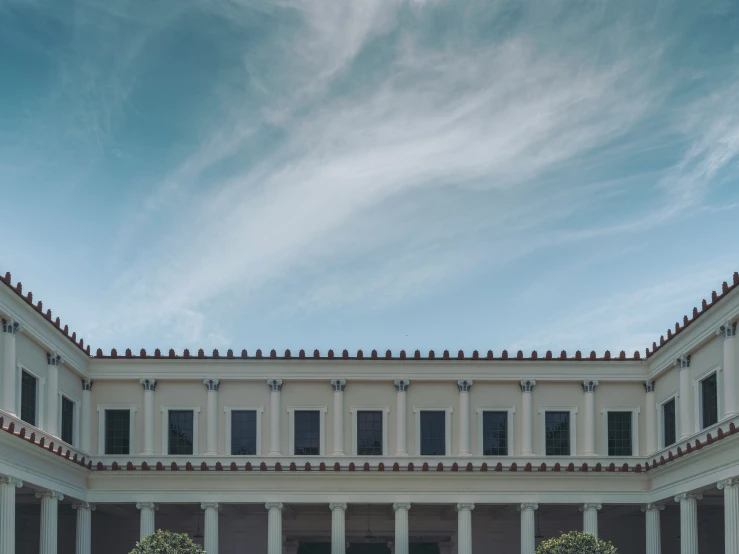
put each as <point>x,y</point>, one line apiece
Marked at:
<point>576,542</point>
<point>166,542</point>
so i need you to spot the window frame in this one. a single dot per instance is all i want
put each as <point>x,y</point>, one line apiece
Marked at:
<point>698,395</point>
<point>355,426</point>
<point>40,390</point>
<point>480,435</point>
<point>447,427</point>
<point>573,428</point>
<point>674,395</point>
<point>635,411</point>
<point>132,408</point>
<point>321,428</point>
<point>227,410</point>
<point>195,431</point>
<point>75,418</point>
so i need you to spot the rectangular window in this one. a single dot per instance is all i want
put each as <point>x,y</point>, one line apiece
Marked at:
<point>307,433</point>
<point>669,423</point>
<point>495,433</point>
<point>180,432</point>
<point>619,434</point>
<point>433,433</point>
<point>67,420</point>
<point>369,433</point>
<point>709,395</point>
<point>558,433</point>
<point>28,398</point>
<point>117,431</point>
<point>243,432</point>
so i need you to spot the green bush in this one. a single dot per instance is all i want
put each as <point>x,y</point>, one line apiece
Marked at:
<point>166,542</point>
<point>576,542</point>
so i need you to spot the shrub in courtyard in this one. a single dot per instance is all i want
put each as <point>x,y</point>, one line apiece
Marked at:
<point>576,542</point>
<point>166,542</point>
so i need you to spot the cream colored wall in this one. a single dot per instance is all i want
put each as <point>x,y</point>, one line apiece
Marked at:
<point>30,355</point>
<point>121,393</point>
<point>498,396</point>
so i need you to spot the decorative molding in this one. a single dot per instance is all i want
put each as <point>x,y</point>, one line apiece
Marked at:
<point>206,505</point>
<point>652,507</point>
<point>338,384</point>
<point>683,362</point>
<point>731,482</point>
<point>527,506</point>
<point>589,386</point>
<point>401,506</point>
<point>590,506</point>
<point>53,359</point>
<point>8,480</point>
<point>728,330</point>
<point>337,506</point>
<point>84,506</point>
<point>49,494</point>
<point>148,384</point>
<point>11,326</point>
<point>649,386</point>
<point>211,384</point>
<point>150,505</point>
<point>464,386</point>
<point>688,496</point>
<point>401,385</point>
<point>465,506</point>
<point>274,506</point>
<point>87,384</point>
<point>527,385</point>
<point>275,385</point>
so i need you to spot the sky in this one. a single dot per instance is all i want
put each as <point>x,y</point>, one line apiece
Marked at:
<point>389,174</point>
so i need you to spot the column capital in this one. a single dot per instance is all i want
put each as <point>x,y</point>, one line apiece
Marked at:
<point>209,505</point>
<point>87,384</point>
<point>53,359</point>
<point>149,505</point>
<point>401,385</point>
<point>728,330</point>
<point>731,482</point>
<point>148,384</point>
<point>401,506</point>
<point>338,384</point>
<point>688,496</point>
<point>590,506</point>
<point>683,362</point>
<point>464,385</point>
<point>275,385</point>
<point>649,386</point>
<point>589,386</point>
<point>84,506</point>
<point>11,326</point>
<point>652,506</point>
<point>211,384</point>
<point>337,506</point>
<point>274,506</point>
<point>8,480</point>
<point>527,506</point>
<point>49,494</point>
<point>527,385</point>
<point>465,506</point>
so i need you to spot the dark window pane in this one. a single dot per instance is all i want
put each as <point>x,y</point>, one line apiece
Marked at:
<point>117,431</point>
<point>709,390</point>
<point>557,433</point>
<point>495,433</point>
<point>669,422</point>
<point>307,433</point>
<point>619,434</point>
<point>67,420</point>
<point>433,433</point>
<point>180,432</point>
<point>243,432</point>
<point>28,398</point>
<point>369,433</point>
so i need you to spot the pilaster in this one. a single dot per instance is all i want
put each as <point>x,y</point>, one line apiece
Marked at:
<point>275,388</point>
<point>731,371</point>
<point>10,373</point>
<point>338,386</point>
<point>149,388</point>
<point>85,415</point>
<point>687,423</point>
<point>211,438</point>
<point>651,417</point>
<point>464,416</point>
<point>401,418</point>
<point>588,388</point>
<point>527,417</point>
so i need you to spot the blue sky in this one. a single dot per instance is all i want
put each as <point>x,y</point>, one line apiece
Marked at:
<point>374,174</point>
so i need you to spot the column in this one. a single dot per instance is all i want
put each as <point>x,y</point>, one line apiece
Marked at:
<point>149,386</point>
<point>10,372</point>
<point>528,532</point>
<point>84,527</point>
<point>401,421</point>
<point>464,528</point>
<point>85,416</point>
<point>275,387</point>
<point>651,418</point>
<point>338,527</point>
<point>731,372</point>
<point>338,386</point>
<point>464,417</point>
<point>146,522</point>
<point>687,426</point>
<point>53,361</point>
<point>731,514</point>
<point>654,537</point>
<point>211,437</point>
<point>590,518</point>
<point>210,543</point>
<point>274,527</point>
<point>401,526</point>
<point>688,522</point>
<point>588,388</point>
<point>527,417</point>
<point>49,516</point>
<point>7,512</point>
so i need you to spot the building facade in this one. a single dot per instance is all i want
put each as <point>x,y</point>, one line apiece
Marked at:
<point>368,452</point>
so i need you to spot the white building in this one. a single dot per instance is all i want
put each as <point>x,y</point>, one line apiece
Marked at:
<point>368,453</point>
